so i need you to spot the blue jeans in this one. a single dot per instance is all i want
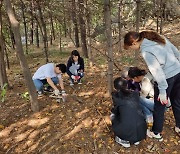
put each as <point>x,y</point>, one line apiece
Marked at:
<point>147,106</point>
<point>39,84</point>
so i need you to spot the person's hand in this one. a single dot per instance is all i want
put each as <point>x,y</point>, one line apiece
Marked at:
<point>77,77</point>
<point>73,77</point>
<point>63,93</point>
<point>163,98</point>
<point>56,92</point>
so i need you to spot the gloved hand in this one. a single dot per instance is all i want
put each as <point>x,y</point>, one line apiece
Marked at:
<point>56,92</point>
<point>63,93</point>
<point>73,77</point>
<point>163,98</point>
<point>77,77</point>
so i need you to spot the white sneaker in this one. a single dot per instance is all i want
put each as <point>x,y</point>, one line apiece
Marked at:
<point>136,143</point>
<point>152,135</point>
<point>124,143</point>
<point>177,129</point>
<point>71,84</point>
<point>40,93</point>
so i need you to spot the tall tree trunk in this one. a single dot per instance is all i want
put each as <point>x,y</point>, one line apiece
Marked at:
<point>138,3</point>
<point>3,74</point>
<point>119,24</point>
<point>37,35</point>
<point>64,20</point>
<point>82,28</point>
<point>88,15</point>
<point>107,17</point>
<point>60,38</point>
<point>7,59</point>
<point>52,27</point>
<point>25,26</point>
<point>20,53</point>
<point>74,19</point>
<point>32,23</point>
<point>45,42</point>
<point>11,36</point>
<point>161,15</point>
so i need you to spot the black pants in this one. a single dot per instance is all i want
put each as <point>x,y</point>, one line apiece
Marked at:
<point>173,92</point>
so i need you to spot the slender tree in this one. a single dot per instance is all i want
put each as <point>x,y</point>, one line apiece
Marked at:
<point>3,74</point>
<point>74,19</point>
<point>20,54</point>
<point>82,28</point>
<point>107,17</point>
<point>44,30</point>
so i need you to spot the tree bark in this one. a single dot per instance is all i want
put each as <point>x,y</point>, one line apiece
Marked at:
<point>20,54</point>
<point>3,74</point>
<point>82,28</point>
<point>64,20</point>
<point>88,16</point>
<point>119,24</point>
<point>32,23</point>
<point>25,25</point>
<point>45,41</point>
<point>74,19</point>
<point>107,17</point>
<point>37,35</point>
<point>138,2</point>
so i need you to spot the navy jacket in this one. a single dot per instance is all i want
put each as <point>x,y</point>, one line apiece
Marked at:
<point>70,62</point>
<point>129,123</point>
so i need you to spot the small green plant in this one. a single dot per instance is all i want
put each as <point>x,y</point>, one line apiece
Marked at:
<point>25,96</point>
<point>3,92</point>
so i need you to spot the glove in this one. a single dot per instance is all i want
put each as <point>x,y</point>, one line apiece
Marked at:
<point>63,93</point>
<point>163,98</point>
<point>56,92</point>
<point>73,77</point>
<point>77,77</point>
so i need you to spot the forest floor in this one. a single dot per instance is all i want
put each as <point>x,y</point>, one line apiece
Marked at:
<point>72,126</point>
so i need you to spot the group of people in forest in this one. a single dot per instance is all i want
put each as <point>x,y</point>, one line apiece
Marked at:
<point>50,74</point>
<point>140,98</point>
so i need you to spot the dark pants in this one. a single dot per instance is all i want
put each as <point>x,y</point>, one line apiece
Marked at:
<point>173,92</point>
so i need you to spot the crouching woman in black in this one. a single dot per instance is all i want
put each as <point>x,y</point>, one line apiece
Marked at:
<point>128,123</point>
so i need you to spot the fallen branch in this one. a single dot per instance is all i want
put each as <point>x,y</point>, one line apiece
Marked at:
<point>102,118</point>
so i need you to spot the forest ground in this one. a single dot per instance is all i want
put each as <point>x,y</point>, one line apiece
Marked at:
<point>72,126</point>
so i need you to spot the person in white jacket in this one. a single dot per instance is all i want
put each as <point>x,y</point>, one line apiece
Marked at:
<point>163,61</point>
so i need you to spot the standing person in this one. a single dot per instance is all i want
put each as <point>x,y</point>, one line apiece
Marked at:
<point>163,61</point>
<point>51,74</point>
<point>75,67</point>
<point>128,122</point>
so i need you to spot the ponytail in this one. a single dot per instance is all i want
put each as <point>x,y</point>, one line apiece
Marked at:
<point>132,37</point>
<point>153,36</point>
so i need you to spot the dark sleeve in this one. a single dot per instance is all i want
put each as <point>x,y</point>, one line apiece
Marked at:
<point>81,64</point>
<point>69,64</point>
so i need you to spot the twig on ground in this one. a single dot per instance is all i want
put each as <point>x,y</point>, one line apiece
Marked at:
<point>102,118</point>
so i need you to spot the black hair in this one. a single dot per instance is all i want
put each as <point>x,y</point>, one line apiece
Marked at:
<point>121,84</point>
<point>62,67</point>
<point>75,53</point>
<point>135,72</point>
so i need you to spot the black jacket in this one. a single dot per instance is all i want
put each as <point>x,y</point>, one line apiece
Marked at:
<point>129,122</point>
<point>70,62</point>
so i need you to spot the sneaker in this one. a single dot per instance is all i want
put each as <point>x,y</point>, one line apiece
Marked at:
<point>48,89</point>
<point>124,143</point>
<point>71,84</point>
<point>79,82</point>
<point>177,129</point>
<point>151,134</point>
<point>136,143</point>
<point>40,93</point>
